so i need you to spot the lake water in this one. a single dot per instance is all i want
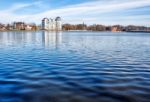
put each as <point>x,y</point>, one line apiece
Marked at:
<point>74,67</point>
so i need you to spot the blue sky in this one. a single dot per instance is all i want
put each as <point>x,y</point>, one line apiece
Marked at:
<point>106,12</point>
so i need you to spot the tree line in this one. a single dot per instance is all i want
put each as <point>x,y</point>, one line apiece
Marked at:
<point>98,27</point>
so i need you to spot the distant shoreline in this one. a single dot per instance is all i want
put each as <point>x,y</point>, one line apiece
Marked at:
<point>73,31</point>
<point>139,31</point>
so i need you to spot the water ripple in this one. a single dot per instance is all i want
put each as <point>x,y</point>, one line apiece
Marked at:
<point>74,67</point>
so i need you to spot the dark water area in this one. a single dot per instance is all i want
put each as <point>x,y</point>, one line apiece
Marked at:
<point>74,67</point>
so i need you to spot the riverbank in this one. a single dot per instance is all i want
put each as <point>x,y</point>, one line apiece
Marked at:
<point>139,31</point>
<point>72,31</point>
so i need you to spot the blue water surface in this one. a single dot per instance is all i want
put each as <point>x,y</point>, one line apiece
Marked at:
<point>74,67</point>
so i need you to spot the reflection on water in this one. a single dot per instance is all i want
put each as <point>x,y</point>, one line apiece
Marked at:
<point>74,67</point>
<point>45,38</point>
<point>51,38</point>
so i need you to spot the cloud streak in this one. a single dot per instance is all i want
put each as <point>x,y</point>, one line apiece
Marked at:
<point>91,12</point>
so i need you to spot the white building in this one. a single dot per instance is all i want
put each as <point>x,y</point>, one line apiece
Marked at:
<point>28,27</point>
<point>45,24</point>
<point>52,24</point>
<point>58,23</point>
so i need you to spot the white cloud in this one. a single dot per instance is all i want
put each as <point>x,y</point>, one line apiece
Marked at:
<point>79,12</point>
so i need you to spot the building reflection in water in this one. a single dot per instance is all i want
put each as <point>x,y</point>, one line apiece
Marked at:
<point>51,39</point>
<point>44,38</point>
<point>7,38</point>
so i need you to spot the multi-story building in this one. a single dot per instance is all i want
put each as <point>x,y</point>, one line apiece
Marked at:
<point>58,23</point>
<point>19,25</point>
<point>52,24</point>
<point>45,24</point>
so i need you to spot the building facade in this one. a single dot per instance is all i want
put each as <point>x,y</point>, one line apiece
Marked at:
<point>19,25</point>
<point>45,24</point>
<point>52,24</point>
<point>58,24</point>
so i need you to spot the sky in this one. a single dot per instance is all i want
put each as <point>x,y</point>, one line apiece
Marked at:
<point>107,12</point>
